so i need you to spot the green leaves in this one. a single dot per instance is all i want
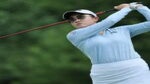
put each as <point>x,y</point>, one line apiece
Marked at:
<point>46,56</point>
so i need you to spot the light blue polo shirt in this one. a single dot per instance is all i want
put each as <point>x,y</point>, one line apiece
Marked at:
<point>115,44</point>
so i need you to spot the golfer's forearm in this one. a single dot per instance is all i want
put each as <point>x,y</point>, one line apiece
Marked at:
<point>145,11</point>
<point>116,17</point>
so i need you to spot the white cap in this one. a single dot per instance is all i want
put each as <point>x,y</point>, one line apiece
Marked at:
<point>67,14</point>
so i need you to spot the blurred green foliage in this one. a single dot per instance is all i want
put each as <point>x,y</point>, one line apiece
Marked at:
<point>45,56</point>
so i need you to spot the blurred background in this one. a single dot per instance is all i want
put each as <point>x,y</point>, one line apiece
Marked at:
<point>46,56</point>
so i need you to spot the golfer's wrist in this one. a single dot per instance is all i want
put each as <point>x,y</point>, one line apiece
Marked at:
<point>135,6</point>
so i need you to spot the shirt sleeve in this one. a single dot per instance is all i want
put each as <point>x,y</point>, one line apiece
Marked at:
<point>139,28</point>
<point>145,11</point>
<point>81,34</point>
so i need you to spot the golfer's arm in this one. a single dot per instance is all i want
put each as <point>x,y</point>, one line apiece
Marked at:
<point>145,11</point>
<point>83,33</point>
<point>139,28</point>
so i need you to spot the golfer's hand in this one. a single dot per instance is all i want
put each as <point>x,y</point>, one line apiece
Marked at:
<point>119,7</point>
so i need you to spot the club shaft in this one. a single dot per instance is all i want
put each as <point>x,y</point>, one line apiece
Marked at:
<point>49,25</point>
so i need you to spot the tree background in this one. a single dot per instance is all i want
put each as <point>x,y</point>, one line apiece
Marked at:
<point>46,56</point>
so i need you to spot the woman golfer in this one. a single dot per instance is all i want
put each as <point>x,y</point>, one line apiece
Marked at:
<point>113,57</point>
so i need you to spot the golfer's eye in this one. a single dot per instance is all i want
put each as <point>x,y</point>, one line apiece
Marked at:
<point>75,17</point>
<point>80,16</point>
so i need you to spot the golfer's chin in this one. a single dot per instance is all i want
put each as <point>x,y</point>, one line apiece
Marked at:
<point>81,26</point>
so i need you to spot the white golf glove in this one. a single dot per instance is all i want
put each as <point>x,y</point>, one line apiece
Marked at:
<point>135,5</point>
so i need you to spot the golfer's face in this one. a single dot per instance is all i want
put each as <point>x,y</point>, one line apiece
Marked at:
<point>82,20</point>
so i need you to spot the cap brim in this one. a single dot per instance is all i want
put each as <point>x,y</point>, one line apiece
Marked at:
<point>66,15</point>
